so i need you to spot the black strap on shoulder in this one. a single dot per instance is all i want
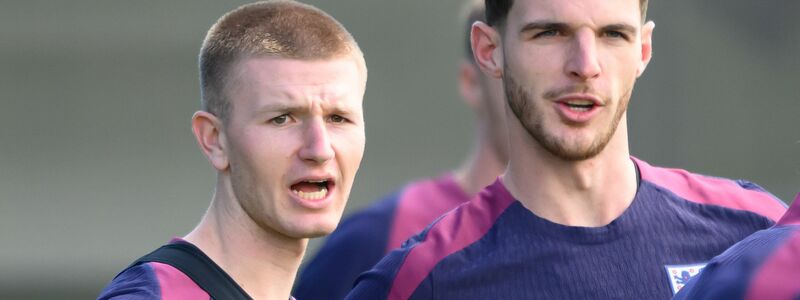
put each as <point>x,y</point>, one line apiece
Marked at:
<point>200,268</point>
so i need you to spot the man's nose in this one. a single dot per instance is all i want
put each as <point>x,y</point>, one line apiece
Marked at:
<point>582,60</point>
<point>316,143</point>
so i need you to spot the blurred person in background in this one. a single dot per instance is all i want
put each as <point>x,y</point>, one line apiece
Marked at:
<point>281,122</point>
<point>574,215</point>
<point>365,237</point>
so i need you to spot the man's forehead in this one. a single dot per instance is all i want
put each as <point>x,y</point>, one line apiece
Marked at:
<point>292,75</point>
<point>285,71</point>
<point>325,96</point>
<point>578,12</point>
<point>300,97</point>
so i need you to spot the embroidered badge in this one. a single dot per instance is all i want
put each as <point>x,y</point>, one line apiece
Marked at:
<point>679,275</point>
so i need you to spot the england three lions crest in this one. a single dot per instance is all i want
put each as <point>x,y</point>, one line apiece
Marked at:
<point>679,275</point>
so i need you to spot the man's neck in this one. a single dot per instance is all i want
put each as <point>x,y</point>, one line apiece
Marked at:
<point>588,193</point>
<point>263,262</point>
<point>480,169</point>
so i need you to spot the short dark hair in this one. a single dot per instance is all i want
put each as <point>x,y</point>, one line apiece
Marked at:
<point>497,11</point>
<point>283,28</point>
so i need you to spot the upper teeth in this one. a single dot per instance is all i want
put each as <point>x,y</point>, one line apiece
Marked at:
<point>316,181</point>
<point>580,102</point>
<point>312,195</point>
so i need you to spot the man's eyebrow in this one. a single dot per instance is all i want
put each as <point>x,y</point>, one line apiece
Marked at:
<point>290,107</point>
<point>277,107</point>
<point>341,109</point>
<point>543,25</point>
<point>620,27</point>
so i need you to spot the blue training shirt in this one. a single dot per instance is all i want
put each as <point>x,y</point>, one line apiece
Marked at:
<point>153,280</point>
<point>493,247</point>
<point>365,237</point>
<point>765,265</point>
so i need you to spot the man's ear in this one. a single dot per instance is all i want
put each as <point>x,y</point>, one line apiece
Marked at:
<point>647,46</point>
<point>485,42</point>
<point>211,138</point>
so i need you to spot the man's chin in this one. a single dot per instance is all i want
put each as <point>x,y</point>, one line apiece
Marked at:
<point>570,151</point>
<point>317,234</point>
<point>576,155</point>
<point>307,231</point>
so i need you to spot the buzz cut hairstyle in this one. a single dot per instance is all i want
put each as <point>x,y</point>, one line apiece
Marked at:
<point>278,28</point>
<point>497,11</point>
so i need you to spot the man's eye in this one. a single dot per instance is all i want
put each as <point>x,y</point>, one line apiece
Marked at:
<point>616,34</point>
<point>280,120</point>
<point>547,33</point>
<point>337,119</point>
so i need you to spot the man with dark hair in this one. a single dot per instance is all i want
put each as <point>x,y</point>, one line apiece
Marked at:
<point>765,265</point>
<point>281,122</point>
<point>365,237</point>
<point>574,216</point>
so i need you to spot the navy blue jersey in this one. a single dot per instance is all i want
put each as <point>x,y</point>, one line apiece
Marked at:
<point>365,237</point>
<point>153,280</point>
<point>765,265</point>
<point>493,247</point>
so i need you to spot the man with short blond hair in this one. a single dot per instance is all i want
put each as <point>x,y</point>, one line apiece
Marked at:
<point>574,216</point>
<point>282,123</point>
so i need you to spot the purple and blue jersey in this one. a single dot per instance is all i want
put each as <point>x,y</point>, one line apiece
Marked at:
<point>153,280</point>
<point>765,265</point>
<point>493,247</point>
<point>365,237</point>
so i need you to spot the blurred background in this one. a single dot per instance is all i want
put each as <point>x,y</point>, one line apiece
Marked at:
<point>98,165</point>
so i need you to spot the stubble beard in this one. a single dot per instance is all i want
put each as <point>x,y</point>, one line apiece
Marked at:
<point>495,120</point>
<point>521,103</point>
<point>246,195</point>
<point>246,191</point>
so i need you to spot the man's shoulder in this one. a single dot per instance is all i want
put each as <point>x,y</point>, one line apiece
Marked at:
<point>402,271</point>
<point>137,282</point>
<point>363,238</point>
<point>422,202</point>
<point>152,280</point>
<point>709,190</point>
<point>465,223</point>
<point>403,212</point>
<point>355,246</point>
<point>765,265</point>
<point>762,266</point>
<point>439,191</point>
<point>371,220</point>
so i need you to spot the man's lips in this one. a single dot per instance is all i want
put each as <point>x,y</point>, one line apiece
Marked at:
<point>579,101</point>
<point>313,187</point>
<point>578,108</point>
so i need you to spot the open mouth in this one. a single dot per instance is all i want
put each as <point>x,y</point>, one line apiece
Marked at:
<point>312,189</point>
<point>579,105</point>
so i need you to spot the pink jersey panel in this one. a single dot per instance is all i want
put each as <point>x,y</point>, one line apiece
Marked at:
<point>175,284</point>
<point>420,204</point>
<point>713,191</point>
<point>455,231</point>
